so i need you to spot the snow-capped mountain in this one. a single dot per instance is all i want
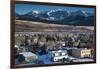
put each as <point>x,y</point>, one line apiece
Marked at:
<point>57,14</point>
<point>60,16</point>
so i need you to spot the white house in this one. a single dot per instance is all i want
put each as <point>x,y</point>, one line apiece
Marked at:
<point>57,55</point>
<point>29,56</point>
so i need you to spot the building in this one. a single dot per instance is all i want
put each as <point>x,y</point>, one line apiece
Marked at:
<point>81,53</point>
<point>29,56</point>
<point>57,55</point>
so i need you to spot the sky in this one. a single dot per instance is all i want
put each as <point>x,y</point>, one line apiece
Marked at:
<point>25,8</point>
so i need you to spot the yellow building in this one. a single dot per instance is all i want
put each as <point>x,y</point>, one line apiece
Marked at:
<point>81,53</point>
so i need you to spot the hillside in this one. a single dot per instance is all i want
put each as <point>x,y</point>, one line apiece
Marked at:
<point>31,26</point>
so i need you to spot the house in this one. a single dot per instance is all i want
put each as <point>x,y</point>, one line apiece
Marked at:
<point>81,53</point>
<point>29,56</point>
<point>57,55</point>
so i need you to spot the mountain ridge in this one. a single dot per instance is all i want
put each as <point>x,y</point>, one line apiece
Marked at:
<point>79,17</point>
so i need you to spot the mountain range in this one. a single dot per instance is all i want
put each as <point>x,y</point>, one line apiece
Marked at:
<point>59,16</point>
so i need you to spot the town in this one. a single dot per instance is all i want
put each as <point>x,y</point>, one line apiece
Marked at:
<point>54,47</point>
